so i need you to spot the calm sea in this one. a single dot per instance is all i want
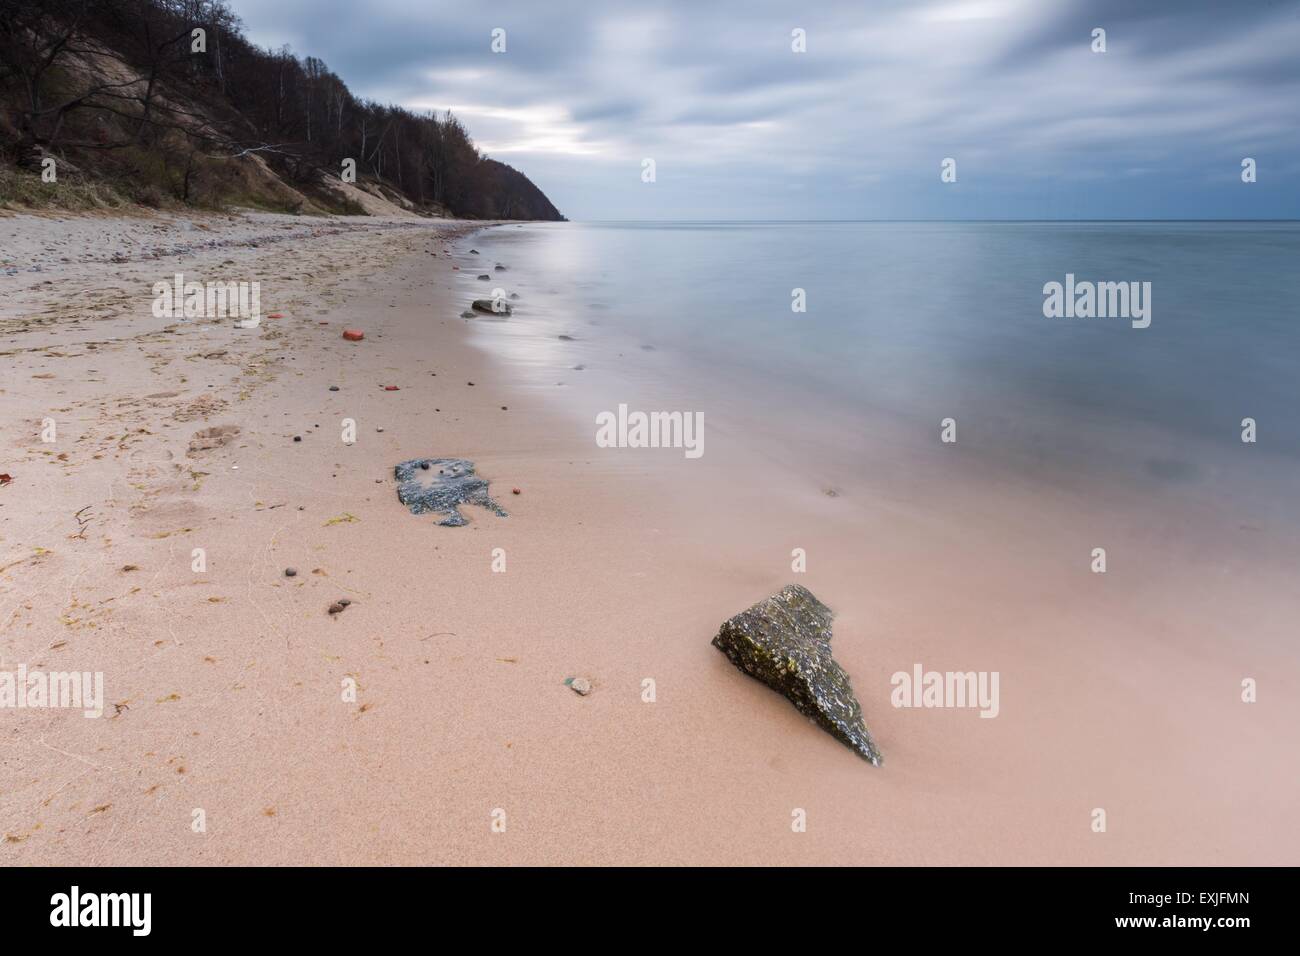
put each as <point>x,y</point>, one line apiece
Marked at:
<point>911,323</point>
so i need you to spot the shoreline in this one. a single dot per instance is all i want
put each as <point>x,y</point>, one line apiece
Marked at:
<point>619,568</point>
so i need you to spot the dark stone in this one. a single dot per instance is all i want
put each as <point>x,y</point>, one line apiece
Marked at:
<point>491,307</point>
<point>441,485</point>
<point>785,641</point>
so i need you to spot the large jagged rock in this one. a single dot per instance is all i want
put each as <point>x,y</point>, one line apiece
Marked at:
<point>441,486</point>
<point>785,641</point>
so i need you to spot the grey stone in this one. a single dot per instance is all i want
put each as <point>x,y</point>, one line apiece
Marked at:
<point>785,641</point>
<point>491,307</point>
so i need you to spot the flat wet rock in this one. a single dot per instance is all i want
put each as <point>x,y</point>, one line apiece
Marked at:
<point>491,307</point>
<point>441,486</point>
<point>785,641</point>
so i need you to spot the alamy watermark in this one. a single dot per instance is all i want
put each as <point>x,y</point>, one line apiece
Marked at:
<point>947,689</point>
<point>626,429</point>
<point>1102,300</point>
<point>130,910</point>
<point>24,689</point>
<point>208,300</point>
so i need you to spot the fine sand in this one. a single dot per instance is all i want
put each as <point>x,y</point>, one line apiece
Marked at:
<point>226,686</point>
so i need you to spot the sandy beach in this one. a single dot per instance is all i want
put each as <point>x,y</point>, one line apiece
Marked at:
<point>225,687</point>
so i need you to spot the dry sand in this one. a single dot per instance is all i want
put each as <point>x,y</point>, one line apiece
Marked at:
<point>225,686</point>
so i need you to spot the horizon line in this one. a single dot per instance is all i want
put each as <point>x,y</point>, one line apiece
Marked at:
<point>758,221</point>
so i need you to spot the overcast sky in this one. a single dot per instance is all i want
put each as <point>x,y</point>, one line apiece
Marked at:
<point>742,127</point>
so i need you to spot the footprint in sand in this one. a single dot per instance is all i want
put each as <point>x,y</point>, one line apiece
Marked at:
<point>214,437</point>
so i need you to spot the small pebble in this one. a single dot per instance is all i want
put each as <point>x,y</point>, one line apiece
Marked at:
<point>334,388</point>
<point>515,491</point>
<point>580,686</point>
<point>297,438</point>
<point>290,572</point>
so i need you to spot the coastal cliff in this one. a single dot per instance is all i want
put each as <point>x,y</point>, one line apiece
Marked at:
<point>108,103</point>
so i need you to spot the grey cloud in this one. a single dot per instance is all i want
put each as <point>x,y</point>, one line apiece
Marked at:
<point>884,92</point>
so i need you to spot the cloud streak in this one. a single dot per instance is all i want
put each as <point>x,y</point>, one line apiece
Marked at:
<point>856,127</point>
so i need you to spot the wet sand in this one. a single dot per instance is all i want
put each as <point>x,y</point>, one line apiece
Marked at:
<point>1119,691</point>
